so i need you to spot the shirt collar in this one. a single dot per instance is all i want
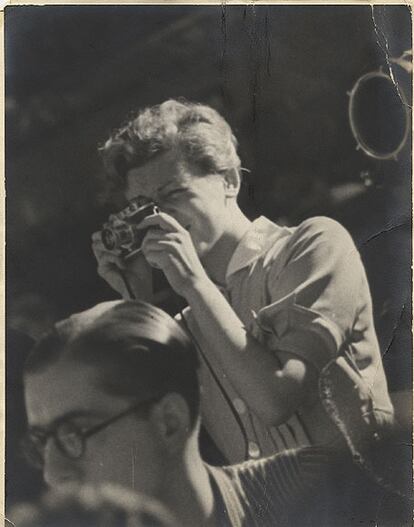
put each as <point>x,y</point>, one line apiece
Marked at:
<point>260,236</point>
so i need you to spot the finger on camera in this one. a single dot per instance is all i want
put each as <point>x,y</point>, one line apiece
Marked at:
<point>113,217</point>
<point>159,246</point>
<point>161,220</point>
<point>97,236</point>
<point>110,258</point>
<point>98,250</point>
<point>99,246</point>
<point>156,235</point>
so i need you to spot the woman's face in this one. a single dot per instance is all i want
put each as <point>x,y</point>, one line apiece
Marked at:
<point>197,202</point>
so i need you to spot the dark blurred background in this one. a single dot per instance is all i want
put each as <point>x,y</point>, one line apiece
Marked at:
<point>280,76</point>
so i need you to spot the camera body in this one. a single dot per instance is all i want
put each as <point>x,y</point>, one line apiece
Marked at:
<point>120,232</point>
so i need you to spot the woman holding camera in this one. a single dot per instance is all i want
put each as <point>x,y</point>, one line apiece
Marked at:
<point>270,307</point>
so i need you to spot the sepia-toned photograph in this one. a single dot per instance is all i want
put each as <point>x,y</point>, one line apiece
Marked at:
<point>208,265</point>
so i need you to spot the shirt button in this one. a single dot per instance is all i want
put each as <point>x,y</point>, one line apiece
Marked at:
<point>253,450</point>
<point>240,406</point>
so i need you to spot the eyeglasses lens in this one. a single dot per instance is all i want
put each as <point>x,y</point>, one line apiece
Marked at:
<point>32,448</point>
<point>70,441</point>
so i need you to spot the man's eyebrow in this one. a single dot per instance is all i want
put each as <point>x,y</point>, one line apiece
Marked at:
<point>70,416</point>
<point>83,413</point>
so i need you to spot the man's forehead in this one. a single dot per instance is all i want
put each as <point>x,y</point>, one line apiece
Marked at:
<point>65,389</point>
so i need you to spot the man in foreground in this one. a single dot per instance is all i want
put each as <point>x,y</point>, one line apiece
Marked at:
<point>112,396</point>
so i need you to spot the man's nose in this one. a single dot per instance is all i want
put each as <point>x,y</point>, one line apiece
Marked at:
<point>58,469</point>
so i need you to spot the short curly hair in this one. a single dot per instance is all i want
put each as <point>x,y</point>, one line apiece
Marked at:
<point>198,133</point>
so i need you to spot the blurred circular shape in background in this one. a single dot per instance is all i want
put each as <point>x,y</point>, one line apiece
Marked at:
<point>379,115</point>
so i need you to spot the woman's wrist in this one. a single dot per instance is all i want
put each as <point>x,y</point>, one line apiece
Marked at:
<point>198,290</point>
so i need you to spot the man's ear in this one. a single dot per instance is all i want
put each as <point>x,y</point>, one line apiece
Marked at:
<point>171,416</point>
<point>232,182</point>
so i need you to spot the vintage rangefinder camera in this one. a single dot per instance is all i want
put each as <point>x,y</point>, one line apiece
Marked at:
<point>120,231</point>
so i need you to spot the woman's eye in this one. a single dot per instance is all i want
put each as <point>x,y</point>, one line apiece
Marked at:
<point>174,194</point>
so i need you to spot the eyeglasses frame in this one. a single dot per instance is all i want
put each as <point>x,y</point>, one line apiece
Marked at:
<point>86,434</point>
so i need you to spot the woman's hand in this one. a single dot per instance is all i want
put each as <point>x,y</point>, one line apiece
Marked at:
<point>136,270</point>
<point>168,246</point>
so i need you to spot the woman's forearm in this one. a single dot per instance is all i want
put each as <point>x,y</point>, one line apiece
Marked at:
<point>271,391</point>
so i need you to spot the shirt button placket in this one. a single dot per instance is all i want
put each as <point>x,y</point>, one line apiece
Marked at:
<point>240,406</point>
<point>253,448</point>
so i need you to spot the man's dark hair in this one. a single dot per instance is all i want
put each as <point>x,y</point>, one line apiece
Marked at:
<point>140,351</point>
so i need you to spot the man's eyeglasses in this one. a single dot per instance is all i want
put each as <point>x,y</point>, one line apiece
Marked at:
<point>69,437</point>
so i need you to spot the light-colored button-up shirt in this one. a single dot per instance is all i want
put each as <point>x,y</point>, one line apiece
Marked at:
<point>301,290</point>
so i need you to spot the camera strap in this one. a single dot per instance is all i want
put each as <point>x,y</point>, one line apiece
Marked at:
<point>127,285</point>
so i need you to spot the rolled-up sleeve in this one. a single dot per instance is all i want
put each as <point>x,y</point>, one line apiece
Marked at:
<point>313,292</point>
